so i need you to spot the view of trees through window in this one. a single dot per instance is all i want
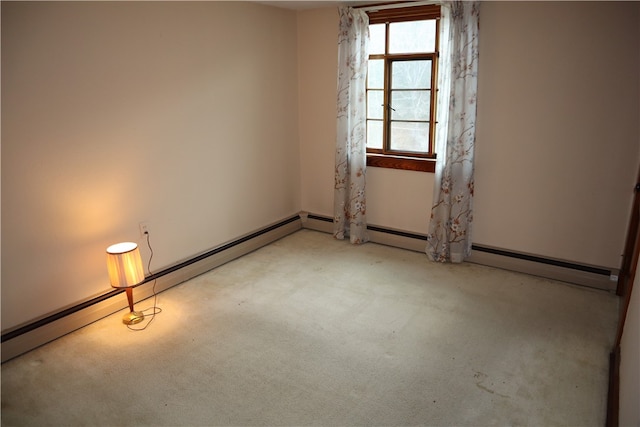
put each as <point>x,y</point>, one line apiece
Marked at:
<point>401,87</point>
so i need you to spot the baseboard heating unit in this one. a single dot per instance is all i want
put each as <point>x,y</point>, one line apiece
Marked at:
<point>382,235</point>
<point>580,274</point>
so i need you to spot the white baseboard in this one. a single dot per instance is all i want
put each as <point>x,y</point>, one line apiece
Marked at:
<point>27,337</point>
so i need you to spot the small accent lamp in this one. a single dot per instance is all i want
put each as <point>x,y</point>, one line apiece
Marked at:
<point>125,272</point>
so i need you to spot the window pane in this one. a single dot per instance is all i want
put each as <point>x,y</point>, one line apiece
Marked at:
<point>411,74</point>
<point>376,39</point>
<point>407,136</point>
<point>412,36</point>
<point>374,134</point>
<point>375,98</point>
<point>375,76</point>
<point>410,105</point>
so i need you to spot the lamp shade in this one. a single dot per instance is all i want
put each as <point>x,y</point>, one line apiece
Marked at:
<point>125,265</point>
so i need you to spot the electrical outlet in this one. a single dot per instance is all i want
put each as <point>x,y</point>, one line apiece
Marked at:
<point>144,228</point>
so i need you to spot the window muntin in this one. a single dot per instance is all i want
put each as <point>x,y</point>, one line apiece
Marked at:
<point>401,92</point>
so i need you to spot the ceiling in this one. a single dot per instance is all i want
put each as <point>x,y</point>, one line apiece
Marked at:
<point>298,5</point>
<point>310,4</point>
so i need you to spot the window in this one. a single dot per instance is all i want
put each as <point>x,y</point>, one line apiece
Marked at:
<point>401,87</point>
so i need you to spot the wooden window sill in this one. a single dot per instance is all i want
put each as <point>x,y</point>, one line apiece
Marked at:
<point>405,163</point>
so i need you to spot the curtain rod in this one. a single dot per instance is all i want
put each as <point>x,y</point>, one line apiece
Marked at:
<point>384,6</point>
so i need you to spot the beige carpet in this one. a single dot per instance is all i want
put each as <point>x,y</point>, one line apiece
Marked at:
<point>313,331</point>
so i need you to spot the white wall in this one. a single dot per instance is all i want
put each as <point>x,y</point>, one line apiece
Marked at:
<point>557,147</point>
<point>317,68</point>
<point>553,78</point>
<point>630,361</point>
<point>182,114</point>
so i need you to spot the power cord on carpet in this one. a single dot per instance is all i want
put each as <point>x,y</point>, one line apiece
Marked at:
<point>155,308</point>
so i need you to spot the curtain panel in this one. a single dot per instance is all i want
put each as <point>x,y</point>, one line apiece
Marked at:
<point>351,157</point>
<point>449,238</point>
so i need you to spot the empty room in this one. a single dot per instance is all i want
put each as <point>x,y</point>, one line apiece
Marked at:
<point>271,275</point>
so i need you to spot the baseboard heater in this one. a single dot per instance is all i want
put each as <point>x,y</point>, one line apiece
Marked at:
<point>382,235</point>
<point>375,228</point>
<point>533,258</point>
<point>33,334</point>
<point>566,271</point>
<point>580,274</point>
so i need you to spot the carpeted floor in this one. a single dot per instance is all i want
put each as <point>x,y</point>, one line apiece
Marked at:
<point>313,331</point>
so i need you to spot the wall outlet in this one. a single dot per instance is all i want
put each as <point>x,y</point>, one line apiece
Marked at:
<point>144,228</point>
<point>613,277</point>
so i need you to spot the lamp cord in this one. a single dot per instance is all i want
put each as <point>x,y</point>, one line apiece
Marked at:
<point>155,308</point>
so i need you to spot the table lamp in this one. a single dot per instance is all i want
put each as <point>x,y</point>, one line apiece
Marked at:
<point>125,272</point>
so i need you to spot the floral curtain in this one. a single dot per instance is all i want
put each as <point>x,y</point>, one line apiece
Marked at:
<point>449,238</point>
<point>351,156</point>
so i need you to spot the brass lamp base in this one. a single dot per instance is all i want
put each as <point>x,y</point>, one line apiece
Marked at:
<point>132,318</point>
